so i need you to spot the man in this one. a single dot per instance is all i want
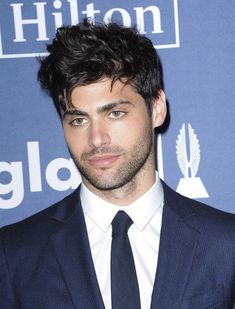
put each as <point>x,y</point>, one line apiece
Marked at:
<point>106,85</point>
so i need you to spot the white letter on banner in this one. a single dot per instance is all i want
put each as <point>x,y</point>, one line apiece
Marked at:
<point>57,15</point>
<point>35,178</point>
<point>125,16</point>
<point>52,174</point>
<point>157,28</point>
<point>90,11</point>
<point>74,11</point>
<point>16,186</point>
<point>19,22</point>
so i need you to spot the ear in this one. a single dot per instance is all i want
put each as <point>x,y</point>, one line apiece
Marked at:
<point>159,110</point>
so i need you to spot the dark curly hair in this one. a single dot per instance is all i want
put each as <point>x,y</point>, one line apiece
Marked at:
<point>85,53</point>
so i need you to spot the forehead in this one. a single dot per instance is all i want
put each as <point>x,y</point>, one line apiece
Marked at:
<point>103,92</point>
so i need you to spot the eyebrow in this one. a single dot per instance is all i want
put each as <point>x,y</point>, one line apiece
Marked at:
<point>74,112</point>
<point>100,110</point>
<point>111,105</point>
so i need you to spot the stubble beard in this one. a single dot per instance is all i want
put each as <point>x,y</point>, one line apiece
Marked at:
<point>135,162</point>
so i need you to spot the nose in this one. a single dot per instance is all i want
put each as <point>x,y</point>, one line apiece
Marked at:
<point>99,134</point>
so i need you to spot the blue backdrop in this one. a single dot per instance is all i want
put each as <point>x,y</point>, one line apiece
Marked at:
<point>196,43</point>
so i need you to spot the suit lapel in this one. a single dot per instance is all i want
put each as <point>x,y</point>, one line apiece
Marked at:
<point>74,256</point>
<point>177,247</point>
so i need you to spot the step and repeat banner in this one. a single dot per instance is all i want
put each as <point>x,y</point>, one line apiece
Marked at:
<point>196,43</point>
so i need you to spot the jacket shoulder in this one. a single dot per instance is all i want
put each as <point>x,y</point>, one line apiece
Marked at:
<point>199,215</point>
<point>43,222</point>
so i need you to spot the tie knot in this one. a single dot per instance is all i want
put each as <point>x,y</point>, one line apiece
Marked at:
<point>121,223</point>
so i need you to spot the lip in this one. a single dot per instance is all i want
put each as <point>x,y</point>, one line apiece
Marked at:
<point>103,161</point>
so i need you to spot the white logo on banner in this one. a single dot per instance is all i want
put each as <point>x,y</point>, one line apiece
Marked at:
<point>16,185</point>
<point>25,36</point>
<point>190,186</point>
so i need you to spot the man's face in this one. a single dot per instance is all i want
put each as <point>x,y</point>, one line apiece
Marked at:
<point>109,134</point>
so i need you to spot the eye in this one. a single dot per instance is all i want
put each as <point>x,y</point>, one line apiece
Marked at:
<point>79,121</point>
<point>117,114</point>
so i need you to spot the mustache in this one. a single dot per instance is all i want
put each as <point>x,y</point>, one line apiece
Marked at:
<point>102,150</point>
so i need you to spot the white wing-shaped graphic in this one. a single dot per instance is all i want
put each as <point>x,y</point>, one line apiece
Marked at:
<point>194,147</point>
<point>188,157</point>
<point>181,152</point>
<point>194,152</point>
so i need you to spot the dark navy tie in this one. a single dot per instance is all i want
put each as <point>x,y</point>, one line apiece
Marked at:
<point>124,284</point>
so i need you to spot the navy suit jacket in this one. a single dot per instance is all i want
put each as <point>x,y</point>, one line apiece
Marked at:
<point>45,260</point>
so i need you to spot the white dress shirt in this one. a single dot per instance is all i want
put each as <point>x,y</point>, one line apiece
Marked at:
<point>144,236</point>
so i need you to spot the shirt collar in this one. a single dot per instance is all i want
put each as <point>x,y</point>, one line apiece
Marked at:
<point>141,211</point>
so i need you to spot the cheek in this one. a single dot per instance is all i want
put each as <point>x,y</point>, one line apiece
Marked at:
<point>119,133</point>
<point>134,130</point>
<point>74,140</point>
<point>126,136</point>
